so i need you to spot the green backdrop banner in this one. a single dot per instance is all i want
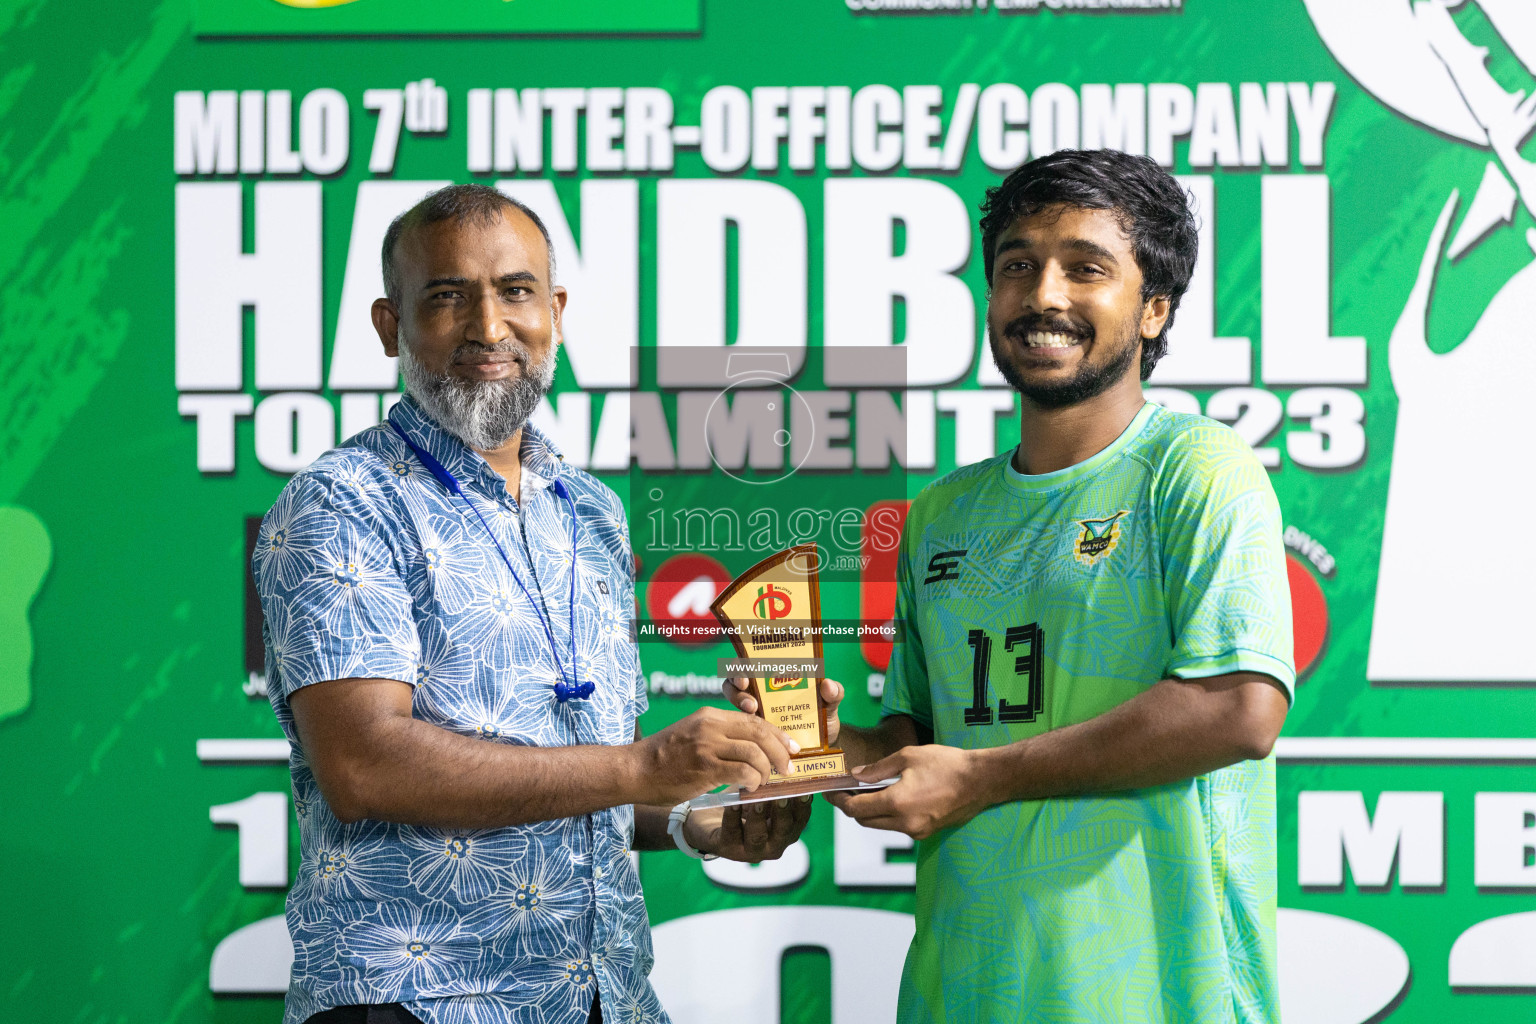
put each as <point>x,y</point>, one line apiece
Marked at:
<point>764,214</point>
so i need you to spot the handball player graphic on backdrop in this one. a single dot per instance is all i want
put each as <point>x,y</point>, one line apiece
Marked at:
<point>449,652</point>
<point>1097,651</point>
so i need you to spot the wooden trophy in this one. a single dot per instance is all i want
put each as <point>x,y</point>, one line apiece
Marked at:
<point>772,612</point>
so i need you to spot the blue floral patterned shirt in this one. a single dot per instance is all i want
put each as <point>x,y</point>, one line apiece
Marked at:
<point>369,568</point>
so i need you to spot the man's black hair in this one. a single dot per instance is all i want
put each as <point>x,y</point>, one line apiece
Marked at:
<point>460,203</point>
<point>1153,209</point>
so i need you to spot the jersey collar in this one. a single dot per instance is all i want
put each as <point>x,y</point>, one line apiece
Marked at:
<point>1040,483</point>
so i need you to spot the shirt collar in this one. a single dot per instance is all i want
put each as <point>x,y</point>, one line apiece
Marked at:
<point>540,457</point>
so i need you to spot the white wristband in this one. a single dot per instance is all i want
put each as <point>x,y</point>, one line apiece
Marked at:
<point>675,822</point>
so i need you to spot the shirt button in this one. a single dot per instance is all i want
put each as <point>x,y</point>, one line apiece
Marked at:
<point>597,872</point>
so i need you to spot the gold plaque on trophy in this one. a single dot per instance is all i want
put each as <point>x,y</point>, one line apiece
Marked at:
<point>772,613</point>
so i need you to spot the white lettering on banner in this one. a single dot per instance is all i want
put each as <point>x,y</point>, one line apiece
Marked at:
<point>1116,119</point>
<point>426,107</point>
<point>1170,115</point>
<point>877,145</point>
<point>604,128</point>
<point>691,226</point>
<point>253,139</point>
<point>601,323</point>
<point>1506,840</point>
<point>389,105</point>
<point>862,856</point>
<point>1053,112</point>
<point>1195,355</point>
<point>281,156</point>
<point>880,126</point>
<point>323,131</point>
<point>866,947</point>
<point>1255,415</point>
<point>647,129</point>
<point>1333,970</point>
<point>921,126</point>
<point>215,281</point>
<point>567,423</point>
<point>1296,257</point>
<point>293,429</point>
<point>805,125</point>
<point>1499,954</point>
<point>1408,830</point>
<point>769,125</point>
<point>357,355</point>
<point>215,428</point>
<point>563,106</point>
<point>1001,140</point>
<point>877,126</point>
<point>262,821</point>
<point>862,276</point>
<point>725,126</point>
<point>1266,138</point>
<point>1213,136</point>
<point>206,133</point>
<point>976,413</point>
<point>791,868</point>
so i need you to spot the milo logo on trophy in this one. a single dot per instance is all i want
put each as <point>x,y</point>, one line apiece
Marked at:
<point>772,613</point>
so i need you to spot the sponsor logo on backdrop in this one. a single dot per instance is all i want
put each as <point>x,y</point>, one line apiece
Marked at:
<point>1461,413</point>
<point>680,591</point>
<point>1307,559</point>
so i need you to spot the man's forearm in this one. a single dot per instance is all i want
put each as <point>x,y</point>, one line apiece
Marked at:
<point>1176,730</point>
<point>419,774</point>
<point>651,828</point>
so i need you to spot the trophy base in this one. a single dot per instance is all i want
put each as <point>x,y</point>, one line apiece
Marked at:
<point>784,790</point>
<point>814,764</point>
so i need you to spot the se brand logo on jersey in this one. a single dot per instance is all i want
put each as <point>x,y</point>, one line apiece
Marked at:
<point>944,566</point>
<point>771,603</point>
<point>1099,538</point>
<point>788,683</point>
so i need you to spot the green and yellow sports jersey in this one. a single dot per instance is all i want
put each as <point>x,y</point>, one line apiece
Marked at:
<point>1034,602</point>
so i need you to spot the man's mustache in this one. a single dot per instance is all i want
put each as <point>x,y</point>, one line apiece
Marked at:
<point>516,350</point>
<point>1020,326</point>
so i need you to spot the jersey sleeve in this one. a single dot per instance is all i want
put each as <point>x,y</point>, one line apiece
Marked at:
<point>335,604</point>
<point>1227,593</point>
<point>906,677</point>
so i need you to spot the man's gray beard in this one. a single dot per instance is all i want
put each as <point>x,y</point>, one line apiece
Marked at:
<point>482,414</point>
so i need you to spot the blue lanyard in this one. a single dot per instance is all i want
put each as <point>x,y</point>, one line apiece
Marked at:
<point>564,691</point>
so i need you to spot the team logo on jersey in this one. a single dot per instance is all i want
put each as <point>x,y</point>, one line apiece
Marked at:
<point>1099,538</point>
<point>771,603</point>
<point>944,566</point>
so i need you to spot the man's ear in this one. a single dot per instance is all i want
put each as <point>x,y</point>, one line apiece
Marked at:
<point>386,321</point>
<point>1154,316</point>
<point>557,311</point>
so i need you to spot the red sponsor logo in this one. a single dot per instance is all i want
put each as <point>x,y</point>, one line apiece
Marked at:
<point>1309,614</point>
<point>680,592</point>
<point>880,540</point>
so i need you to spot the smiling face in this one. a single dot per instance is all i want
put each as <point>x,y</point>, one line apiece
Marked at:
<point>477,323</point>
<point>1065,315</point>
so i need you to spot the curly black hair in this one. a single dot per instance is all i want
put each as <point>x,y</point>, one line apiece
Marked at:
<point>1154,210</point>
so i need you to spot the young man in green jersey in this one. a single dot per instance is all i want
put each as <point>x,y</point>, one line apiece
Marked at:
<point>1096,657</point>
